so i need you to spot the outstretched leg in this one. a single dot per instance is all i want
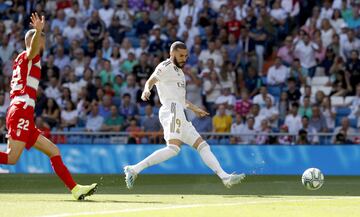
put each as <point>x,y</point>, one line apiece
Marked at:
<point>211,161</point>
<point>13,153</point>
<point>52,151</point>
<point>161,155</point>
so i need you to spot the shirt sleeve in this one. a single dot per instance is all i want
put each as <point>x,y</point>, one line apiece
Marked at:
<point>158,72</point>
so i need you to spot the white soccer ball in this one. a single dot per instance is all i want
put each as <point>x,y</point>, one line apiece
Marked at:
<point>312,179</point>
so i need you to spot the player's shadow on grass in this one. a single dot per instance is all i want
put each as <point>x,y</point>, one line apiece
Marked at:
<point>114,201</point>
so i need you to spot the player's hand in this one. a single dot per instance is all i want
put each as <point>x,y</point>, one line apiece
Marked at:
<point>145,96</point>
<point>200,113</point>
<point>37,22</point>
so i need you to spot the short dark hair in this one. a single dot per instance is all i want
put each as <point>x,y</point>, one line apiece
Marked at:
<point>177,45</point>
<point>295,104</point>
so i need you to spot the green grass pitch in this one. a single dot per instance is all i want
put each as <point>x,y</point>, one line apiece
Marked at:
<point>180,196</point>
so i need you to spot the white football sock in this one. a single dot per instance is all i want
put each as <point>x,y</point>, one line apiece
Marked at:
<point>157,157</point>
<point>210,160</point>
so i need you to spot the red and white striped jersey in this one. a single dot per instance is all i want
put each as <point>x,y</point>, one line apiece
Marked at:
<point>26,76</point>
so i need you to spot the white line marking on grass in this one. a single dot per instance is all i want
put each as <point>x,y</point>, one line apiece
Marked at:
<point>186,206</point>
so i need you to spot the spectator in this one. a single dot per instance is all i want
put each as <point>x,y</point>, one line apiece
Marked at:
<point>253,82</point>
<point>114,122</point>
<point>279,19</point>
<point>156,13</point>
<point>75,12</point>
<point>211,53</point>
<point>95,29</point>
<point>298,73</point>
<point>255,113</point>
<point>116,30</point>
<point>302,137</point>
<point>243,105</point>
<point>226,99</point>
<point>355,106</point>
<point>134,130</point>
<point>248,132</point>
<point>227,76</point>
<point>277,74</point>
<point>329,113</point>
<point>285,52</point>
<point>51,113</point>
<point>305,51</point>
<point>150,124</point>
<point>52,91</point>
<point>353,70</point>
<point>43,127</point>
<point>349,44</point>
<point>128,65</point>
<point>130,87</point>
<point>283,106</point>
<point>305,109</point>
<point>212,91</point>
<point>203,124</point>
<point>126,48</point>
<point>94,121</point>
<point>247,44</point>
<point>72,31</point>
<point>284,139</point>
<point>318,121</point>
<point>144,47</point>
<point>237,127</point>
<point>341,85</point>
<point>106,12</point>
<point>262,137</point>
<point>337,21</point>
<point>115,59</point>
<point>69,115</point>
<point>188,9</point>
<point>107,75</point>
<point>270,112</point>
<point>312,137</point>
<point>345,129</point>
<point>127,108</point>
<point>65,96</point>
<point>61,60</point>
<point>125,14</point>
<point>73,87</point>
<point>143,69</point>
<point>3,105</point>
<point>221,121</point>
<point>193,86</point>
<point>260,98</point>
<point>319,97</point>
<point>233,26</point>
<point>293,92</point>
<point>308,93</point>
<point>105,107</point>
<point>59,22</point>
<point>293,119</point>
<point>259,35</point>
<point>145,25</point>
<point>6,50</point>
<point>233,49</point>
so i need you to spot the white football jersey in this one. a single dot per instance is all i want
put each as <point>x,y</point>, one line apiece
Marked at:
<point>171,83</point>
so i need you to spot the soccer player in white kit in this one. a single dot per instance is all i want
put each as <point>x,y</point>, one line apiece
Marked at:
<point>169,80</point>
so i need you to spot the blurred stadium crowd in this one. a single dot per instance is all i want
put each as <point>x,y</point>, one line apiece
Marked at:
<point>258,66</point>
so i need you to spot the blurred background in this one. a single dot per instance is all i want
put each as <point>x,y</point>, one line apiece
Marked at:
<point>284,73</point>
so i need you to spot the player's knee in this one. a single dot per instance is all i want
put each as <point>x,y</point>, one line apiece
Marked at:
<point>13,158</point>
<point>202,146</point>
<point>176,149</point>
<point>55,151</point>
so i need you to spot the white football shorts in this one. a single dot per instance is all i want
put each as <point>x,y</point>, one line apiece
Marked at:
<point>175,124</point>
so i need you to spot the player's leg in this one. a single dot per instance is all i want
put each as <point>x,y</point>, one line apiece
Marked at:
<point>211,161</point>
<point>13,153</point>
<point>159,156</point>
<point>52,151</point>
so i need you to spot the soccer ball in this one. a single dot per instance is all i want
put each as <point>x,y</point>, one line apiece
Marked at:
<point>312,179</point>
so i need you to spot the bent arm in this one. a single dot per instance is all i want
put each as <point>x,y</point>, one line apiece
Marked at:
<point>34,46</point>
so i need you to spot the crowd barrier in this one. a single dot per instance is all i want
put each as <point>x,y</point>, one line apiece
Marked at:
<point>251,159</point>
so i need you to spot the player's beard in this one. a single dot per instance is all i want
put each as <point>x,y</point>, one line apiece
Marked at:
<point>179,65</point>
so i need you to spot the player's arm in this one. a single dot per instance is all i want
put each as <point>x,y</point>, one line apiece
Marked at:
<point>148,87</point>
<point>198,111</point>
<point>38,25</point>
